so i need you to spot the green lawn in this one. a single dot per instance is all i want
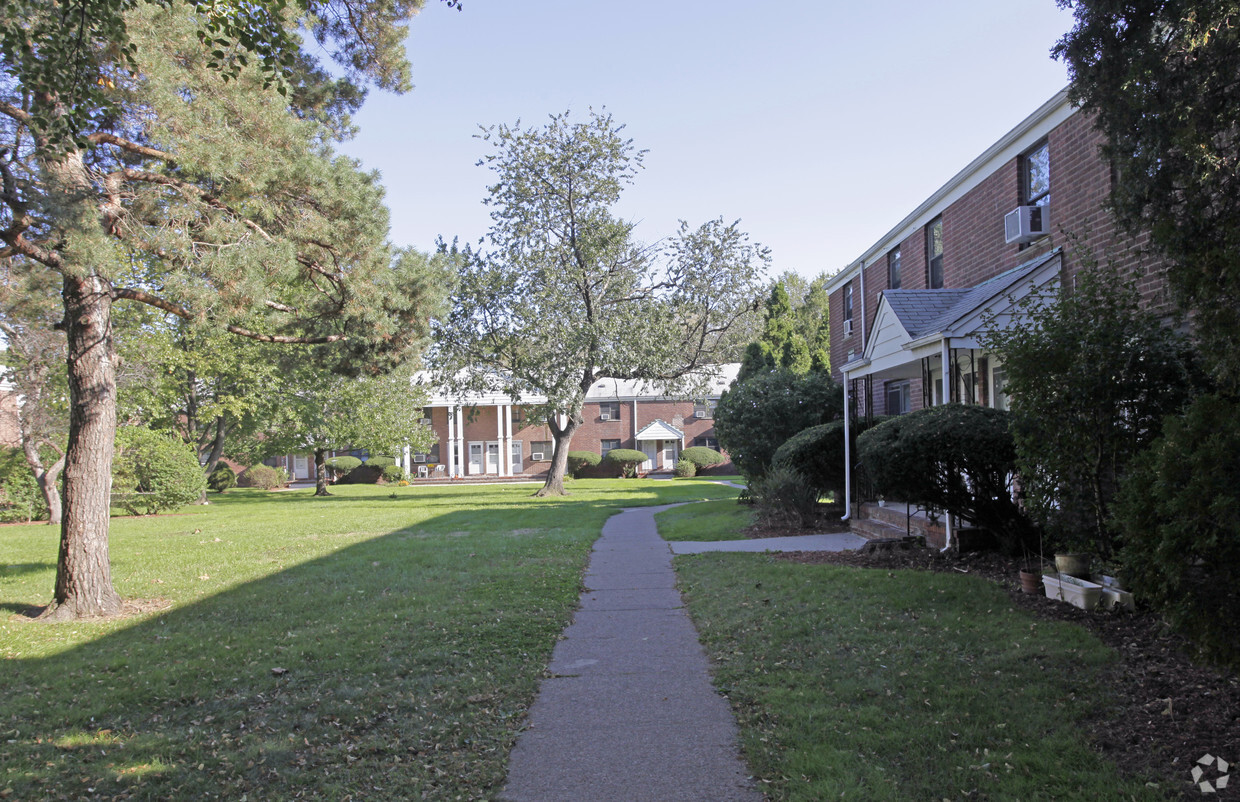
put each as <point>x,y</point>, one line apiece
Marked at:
<point>413,626</point>
<point>899,685</point>
<point>724,519</point>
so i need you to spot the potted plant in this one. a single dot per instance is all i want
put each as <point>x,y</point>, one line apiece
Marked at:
<point>1072,563</point>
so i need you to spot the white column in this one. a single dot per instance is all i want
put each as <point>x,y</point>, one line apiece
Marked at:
<point>451,441</point>
<point>506,442</point>
<point>948,381</point>
<point>847,451</point>
<point>405,459</point>
<point>460,441</point>
<point>499,438</point>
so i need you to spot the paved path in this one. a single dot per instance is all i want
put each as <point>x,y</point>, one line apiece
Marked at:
<point>628,712</point>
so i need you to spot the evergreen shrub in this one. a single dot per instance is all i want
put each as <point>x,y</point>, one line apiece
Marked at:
<point>263,477</point>
<point>342,465</point>
<point>686,469</point>
<point>222,478</point>
<point>702,457</point>
<point>154,472</point>
<point>580,460</point>
<point>627,460</point>
<point>20,497</point>
<point>393,473</point>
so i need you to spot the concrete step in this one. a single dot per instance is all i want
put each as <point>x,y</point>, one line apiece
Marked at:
<point>872,529</point>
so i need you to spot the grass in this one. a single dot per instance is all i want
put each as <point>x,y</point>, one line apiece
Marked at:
<point>710,520</point>
<point>899,685</point>
<point>411,627</point>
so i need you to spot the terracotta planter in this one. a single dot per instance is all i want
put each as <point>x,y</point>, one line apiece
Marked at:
<point>1073,564</point>
<point>1030,581</point>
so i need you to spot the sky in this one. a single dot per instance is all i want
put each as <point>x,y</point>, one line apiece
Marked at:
<point>818,124</point>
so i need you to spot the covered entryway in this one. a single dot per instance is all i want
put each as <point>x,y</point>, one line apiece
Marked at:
<point>661,443</point>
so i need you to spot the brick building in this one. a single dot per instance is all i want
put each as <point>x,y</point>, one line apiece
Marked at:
<point>906,316</point>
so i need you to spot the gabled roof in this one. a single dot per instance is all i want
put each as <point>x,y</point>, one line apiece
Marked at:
<point>919,310</point>
<point>660,430</point>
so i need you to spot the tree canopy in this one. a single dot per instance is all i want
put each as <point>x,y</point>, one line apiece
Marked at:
<point>1160,76</point>
<point>561,294</point>
<point>795,335</point>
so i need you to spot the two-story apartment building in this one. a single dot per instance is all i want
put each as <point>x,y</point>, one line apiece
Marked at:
<point>907,314</point>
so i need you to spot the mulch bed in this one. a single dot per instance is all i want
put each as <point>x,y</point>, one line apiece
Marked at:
<point>1170,709</point>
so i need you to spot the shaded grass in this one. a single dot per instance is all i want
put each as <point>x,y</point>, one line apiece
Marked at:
<point>874,685</point>
<point>709,520</point>
<point>410,633</point>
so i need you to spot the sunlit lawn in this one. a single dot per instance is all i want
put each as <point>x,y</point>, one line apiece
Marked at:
<point>724,519</point>
<point>361,646</point>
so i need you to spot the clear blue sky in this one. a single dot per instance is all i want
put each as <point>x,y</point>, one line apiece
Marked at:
<point>818,124</point>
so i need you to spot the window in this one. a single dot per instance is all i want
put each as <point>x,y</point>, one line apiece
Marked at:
<point>707,442</point>
<point>998,381</point>
<point>704,409</point>
<point>934,254</point>
<point>541,447</point>
<point>848,303</point>
<point>609,410</point>
<point>897,397</point>
<point>893,269</point>
<point>1036,177</point>
<point>609,445</point>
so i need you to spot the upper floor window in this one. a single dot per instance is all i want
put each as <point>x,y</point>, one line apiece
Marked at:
<point>893,269</point>
<point>1036,179</point>
<point>704,409</point>
<point>848,301</point>
<point>609,410</point>
<point>934,254</point>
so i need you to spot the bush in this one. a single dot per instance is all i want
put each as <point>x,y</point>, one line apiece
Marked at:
<point>380,462</point>
<point>756,416</point>
<point>342,465</point>
<point>817,454</point>
<point>20,497</point>
<point>956,457</point>
<point>686,469</point>
<point>263,477</point>
<point>627,459</point>
<point>783,498</point>
<point>702,457</point>
<point>1176,514</point>
<point>153,472</point>
<point>222,478</point>
<point>393,473</point>
<point>580,460</point>
<point>363,475</point>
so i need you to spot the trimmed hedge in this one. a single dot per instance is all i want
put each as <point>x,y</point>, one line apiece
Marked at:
<point>580,460</point>
<point>627,459</point>
<point>363,475</point>
<point>342,465</point>
<point>686,469</point>
<point>222,478</point>
<point>702,457</point>
<point>757,415</point>
<point>393,474</point>
<point>264,477</point>
<point>380,462</point>
<point>154,472</point>
<point>817,454</point>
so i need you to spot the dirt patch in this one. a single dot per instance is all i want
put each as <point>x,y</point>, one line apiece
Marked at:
<point>1170,710</point>
<point>129,609</point>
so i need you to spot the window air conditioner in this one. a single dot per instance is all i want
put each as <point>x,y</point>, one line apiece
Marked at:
<point>699,413</point>
<point>426,421</point>
<point>419,458</point>
<point>848,327</point>
<point>604,416</point>
<point>1026,223</point>
<point>536,456</point>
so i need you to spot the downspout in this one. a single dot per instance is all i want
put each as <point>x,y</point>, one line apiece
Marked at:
<point>948,386</point>
<point>847,453</point>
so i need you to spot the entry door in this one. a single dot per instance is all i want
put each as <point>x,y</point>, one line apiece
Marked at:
<point>493,457</point>
<point>651,449</point>
<point>301,467</point>
<point>517,465</point>
<point>669,454</point>
<point>475,457</point>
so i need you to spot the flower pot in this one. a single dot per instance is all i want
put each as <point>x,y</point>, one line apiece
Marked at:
<point>1030,581</point>
<point>1073,564</point>
<point>1077,592</point>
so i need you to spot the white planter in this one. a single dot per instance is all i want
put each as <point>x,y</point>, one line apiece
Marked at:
<point>1077,592</point>
<point>1112,594</point>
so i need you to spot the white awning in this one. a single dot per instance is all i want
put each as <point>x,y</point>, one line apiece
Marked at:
<point>659,430</point>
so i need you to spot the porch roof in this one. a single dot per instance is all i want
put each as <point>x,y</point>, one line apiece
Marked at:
<point>660,430</point>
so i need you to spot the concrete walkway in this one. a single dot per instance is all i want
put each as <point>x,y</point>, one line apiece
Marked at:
<point>628,712</point>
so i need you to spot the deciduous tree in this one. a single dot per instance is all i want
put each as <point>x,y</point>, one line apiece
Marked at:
<point>561,294</point>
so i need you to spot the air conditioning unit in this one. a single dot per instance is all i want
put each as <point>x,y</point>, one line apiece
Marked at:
<point>1026,223</point>
<point>419,458</point>
<point>848,327</point>
<point>699,413</point>
<point>536,456</point>
<point>604,416</point>
<point>426,421</point>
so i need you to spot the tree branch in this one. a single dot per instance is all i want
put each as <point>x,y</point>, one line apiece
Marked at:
<point>141,296</point>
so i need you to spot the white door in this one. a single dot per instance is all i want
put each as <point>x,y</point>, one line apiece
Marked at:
<point>651,449</point>
<point>493,457</point>
<point>669,454</point>
<point>301,467</point>
<point>517,465</point>
<point>475,458</point>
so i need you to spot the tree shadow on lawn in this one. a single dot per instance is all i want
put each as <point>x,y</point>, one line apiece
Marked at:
<point>20,569</point>
<point>391,668</point>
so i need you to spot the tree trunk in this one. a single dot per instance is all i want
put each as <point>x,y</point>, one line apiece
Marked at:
<point>217,451</point>
<point>554,486</point>
<point>51,493</point>
<point>320,472</point>
<point>83,571</point>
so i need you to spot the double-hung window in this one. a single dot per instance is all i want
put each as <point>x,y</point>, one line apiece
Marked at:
<point>934,254</point>
<point>848,308</point>
<point>609,410</point>
<point>1036,177</point>
<point>893,269</point>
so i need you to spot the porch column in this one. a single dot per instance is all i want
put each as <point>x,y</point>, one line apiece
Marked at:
<point>949,387</point>
<point>847,451</point>
<point>404,462</point>
<point>506,441</point>
<point>451,441</point>
<point>463,460</point>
